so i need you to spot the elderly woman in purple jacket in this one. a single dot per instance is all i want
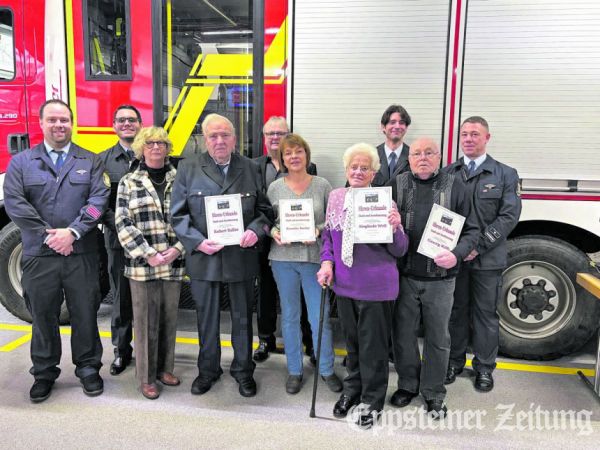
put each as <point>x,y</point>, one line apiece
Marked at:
<point>366,282</point>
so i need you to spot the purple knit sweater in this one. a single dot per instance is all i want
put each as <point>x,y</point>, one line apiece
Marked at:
<point>374,275</point>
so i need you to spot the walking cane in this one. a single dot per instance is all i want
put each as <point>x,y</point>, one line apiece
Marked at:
<point>324,297</point>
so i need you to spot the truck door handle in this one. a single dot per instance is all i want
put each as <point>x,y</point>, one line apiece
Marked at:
<point>17,142</point>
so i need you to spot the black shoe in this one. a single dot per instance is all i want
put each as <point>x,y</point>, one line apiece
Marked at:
<point>119,364</point>
<point>368,418</point>
<point>343,405</point>
<point>202,384</point>
<point>247,387</point>
<point>451,374</point>
<point>92,385</point>
<point>436,409</point>
<point>484,381</point>
<point>293,384</point>
<point>333,382</point>
<point>262,352</point>
<point>40,390</point>
<point>402,398</point>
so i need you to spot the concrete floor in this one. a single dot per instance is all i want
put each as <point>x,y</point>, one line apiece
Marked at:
<point>523,411</point>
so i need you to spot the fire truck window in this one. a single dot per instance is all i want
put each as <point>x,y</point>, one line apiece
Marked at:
<point>7,45</point>
<point>207,64</point>
<point>107,39</point>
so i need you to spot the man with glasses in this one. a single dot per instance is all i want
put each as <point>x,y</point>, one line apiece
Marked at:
<point>494,188</point>
<point>119,160</point>
<point>426,284</point>
<point>56,193</point>
<point>212,266</point>
<point>393,153</point>
<point>266,314</point>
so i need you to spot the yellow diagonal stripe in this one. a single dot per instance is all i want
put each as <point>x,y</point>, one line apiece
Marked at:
<point>16,343</point>
<point>226,65</point>
<point>275,55</point>
<point>188,115</point>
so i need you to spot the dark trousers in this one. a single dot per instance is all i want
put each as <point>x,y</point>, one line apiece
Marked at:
<point>366,326</point>
<point>266,310</point>
<point>155,305</point>
<point>122,312</point>
<point>44,280</point>
<point>475,301</point>
<point>432,299</point>
<point>206,296</point>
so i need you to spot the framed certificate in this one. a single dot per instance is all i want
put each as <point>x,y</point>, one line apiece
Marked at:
<point>224,219</point>
<point>297,220</point>
<point>371,209</point>
<point>441,232</point>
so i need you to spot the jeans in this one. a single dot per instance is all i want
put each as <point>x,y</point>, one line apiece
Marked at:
<point>290,278</point>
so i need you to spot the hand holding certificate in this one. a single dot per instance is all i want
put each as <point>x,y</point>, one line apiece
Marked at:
<point>297,220</point>
<point>371,209</point>
<point>224,219</point>
<point>441,232</point>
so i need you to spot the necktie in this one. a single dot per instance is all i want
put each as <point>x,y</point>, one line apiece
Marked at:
<point>392,165</point>
<point>348,230</point>
<point>131,154</point>
<point>471,168</point>
<point>60,160</point>
<point>221,168</point>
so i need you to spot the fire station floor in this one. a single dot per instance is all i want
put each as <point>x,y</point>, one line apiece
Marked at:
<point>533,405</point>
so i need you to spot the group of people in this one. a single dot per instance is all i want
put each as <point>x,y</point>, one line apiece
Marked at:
<point>155,229</point>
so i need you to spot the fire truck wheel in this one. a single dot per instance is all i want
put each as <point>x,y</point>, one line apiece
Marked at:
<point>11,292</point>
<point>544,313</point>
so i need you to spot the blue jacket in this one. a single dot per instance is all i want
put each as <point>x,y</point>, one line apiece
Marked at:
<point>36,198</point>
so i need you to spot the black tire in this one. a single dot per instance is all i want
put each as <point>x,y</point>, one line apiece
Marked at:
<point>544,313</point>
<point>11,292</point>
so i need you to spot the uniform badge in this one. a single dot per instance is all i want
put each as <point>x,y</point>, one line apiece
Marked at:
<point>81,171</point>
<point>106,179</point>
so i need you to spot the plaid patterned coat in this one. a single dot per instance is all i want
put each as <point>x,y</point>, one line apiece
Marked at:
<point>143,229</point>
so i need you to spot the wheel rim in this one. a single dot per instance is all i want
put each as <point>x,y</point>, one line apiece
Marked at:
<point>14,268</point>
<point>538,300</point>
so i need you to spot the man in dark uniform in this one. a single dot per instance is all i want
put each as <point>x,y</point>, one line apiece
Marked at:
<point>266,313</point>
<point>393,153</point>
<point>210,265</point>
<point>56,193</point>
<point>118,160</point>
<point>497,206</point>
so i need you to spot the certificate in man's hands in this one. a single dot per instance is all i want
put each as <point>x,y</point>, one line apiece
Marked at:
<point>441,232</point>
<point>224,219</point>
<point>297,220</point>
<point>371,209</point>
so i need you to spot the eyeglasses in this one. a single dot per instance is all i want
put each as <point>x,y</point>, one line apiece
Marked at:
<point>161,145</point>
<point>122,120</point>
<point>361,169</point>
<point>276,133</point>
<point>428,154</point>
<point>216,136</point>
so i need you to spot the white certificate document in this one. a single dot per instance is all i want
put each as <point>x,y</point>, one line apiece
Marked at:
<point>297,220</point>
<point>441,232</point>
<point>371,209</point>
<point>224,219</point>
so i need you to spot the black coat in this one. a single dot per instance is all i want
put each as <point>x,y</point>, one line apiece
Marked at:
<point>496,205</point>
<point>382,176</point>
<point>36,198</point>
<point>198,177</point>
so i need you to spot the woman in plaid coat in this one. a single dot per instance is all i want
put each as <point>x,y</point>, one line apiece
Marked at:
<point>155,263</point>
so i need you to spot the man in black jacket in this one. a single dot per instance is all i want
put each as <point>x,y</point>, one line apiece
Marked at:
<point>393,153</point>
<point>426,284</point>
<point>266,312</point>
<point>494,188</point>
<point>118,160</point>
<point>210,265</point>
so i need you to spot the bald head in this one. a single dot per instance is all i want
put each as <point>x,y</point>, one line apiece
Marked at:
<point>424,157</point>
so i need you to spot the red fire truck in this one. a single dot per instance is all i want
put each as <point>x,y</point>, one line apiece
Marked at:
<point>531,68</point>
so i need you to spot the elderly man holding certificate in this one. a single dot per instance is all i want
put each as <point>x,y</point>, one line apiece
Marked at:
<point>428,273</point>
<point>219,213</point>
<point>361,267</point>
<point>299,202</point>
